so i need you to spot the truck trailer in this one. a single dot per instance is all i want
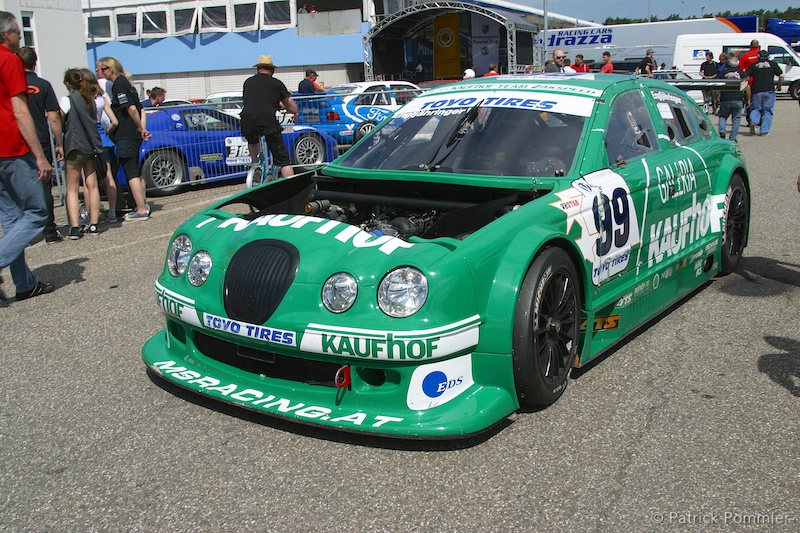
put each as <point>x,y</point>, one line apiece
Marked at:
<point>628,43</point>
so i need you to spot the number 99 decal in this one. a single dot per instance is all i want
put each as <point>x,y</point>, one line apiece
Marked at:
<point>611,221</point>
<point>601,204</point>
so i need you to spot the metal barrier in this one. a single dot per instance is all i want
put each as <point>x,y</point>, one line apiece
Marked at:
<point>202,142</point>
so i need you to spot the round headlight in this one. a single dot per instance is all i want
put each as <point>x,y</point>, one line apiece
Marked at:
<point>179,252</point>
<point>199,268</point>
<point>402,292</point>
<point>339,292</point>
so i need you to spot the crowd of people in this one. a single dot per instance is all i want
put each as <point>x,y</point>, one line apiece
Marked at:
<point>100,122</point>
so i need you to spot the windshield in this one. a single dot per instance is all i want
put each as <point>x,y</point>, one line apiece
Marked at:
<point>508,141</point>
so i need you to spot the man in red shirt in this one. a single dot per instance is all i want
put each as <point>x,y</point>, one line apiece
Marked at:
<point>749,57</point>
<point>579,65</point>
<point>23,212</point>
<point>608,66</point>
<point>745,61</point>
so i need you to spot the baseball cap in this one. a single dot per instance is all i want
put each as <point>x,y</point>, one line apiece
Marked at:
<point>764,53</point>
<point>650,51</point>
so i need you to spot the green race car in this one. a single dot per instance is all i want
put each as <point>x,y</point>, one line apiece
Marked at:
<point>457,263</point>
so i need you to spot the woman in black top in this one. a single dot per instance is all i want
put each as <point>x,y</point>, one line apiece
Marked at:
<point>130,132</point>
<point>81,143</point>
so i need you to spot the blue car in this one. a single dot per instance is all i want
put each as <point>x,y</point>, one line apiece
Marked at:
<point>200,144</point>
<point>351,110</point>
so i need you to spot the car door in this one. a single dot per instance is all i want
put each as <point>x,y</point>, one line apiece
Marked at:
<point>373,104</point>
<point>680,212</point>
<point>623,189</point>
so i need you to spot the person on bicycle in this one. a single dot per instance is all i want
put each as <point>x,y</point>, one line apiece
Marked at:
<point>263,95</point>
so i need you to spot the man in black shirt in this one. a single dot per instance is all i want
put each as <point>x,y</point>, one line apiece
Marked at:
<point>647,65</point>
<point>731,103</point>
<point>708,71</point>
<point>44,109</point>
<point>764,72</point>
<point>263,94</point>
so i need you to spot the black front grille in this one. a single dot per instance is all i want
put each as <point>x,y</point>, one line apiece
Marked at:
<point>257,278</point>
<point>267,363</point>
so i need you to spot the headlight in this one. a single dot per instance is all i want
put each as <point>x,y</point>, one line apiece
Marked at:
<point>199,268</point>
<point>339,292</point>
<point>179,253</point>
<point>402,292</point>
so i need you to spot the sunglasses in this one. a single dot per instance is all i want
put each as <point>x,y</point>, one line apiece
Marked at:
<point>102,69</point>
<point>560,57</point>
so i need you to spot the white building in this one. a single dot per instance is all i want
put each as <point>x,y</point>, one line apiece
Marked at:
<point>193,48</point>
<point>54,28</point>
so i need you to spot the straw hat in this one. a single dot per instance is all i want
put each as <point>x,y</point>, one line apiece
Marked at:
<point>265,62</point>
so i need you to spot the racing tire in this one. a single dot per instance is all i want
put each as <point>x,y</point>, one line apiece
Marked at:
<point>794,90</point>
<point>309,150</point>
<point>546,329</point>
<point>362,130</point>
<point>164,172</point>
<point>736,223</point>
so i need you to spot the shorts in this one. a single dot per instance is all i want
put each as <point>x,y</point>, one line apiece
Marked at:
<point>76,158</point>
<point>131,167</point>
<point>274,137</point>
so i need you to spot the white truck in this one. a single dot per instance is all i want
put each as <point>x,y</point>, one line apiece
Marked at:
<point>628,43</point>
<point>690,51</point>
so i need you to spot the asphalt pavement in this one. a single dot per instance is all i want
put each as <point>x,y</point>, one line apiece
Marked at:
<point>692,425</point>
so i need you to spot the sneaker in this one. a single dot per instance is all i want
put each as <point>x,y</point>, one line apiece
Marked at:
<point>55,237</point>
<point>91,229</point>
<point>111,218</point>
<point>40,288</point>
<point>135,215</point>
<point>75,233</point>
<point>722,135</point>
<point>752,128</point>
<point>757,129</point>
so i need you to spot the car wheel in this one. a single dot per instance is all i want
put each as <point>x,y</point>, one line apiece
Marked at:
<point>164,172</point>
<point>362,130</point>
<point>309,150</point>
<point>253,177</point>
<point>546,329</point>
<point>736,217</point>
<point>794,90</point>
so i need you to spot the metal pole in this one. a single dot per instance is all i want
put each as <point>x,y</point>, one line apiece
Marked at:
<point>544,39</point>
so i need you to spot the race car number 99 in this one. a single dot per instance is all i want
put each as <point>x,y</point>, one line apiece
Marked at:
<point>611,220</point>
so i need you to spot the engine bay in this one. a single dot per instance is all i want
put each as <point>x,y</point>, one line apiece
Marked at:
<point>401,209</point>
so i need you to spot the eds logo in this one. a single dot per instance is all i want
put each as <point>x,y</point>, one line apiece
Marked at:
<point>435,384</point>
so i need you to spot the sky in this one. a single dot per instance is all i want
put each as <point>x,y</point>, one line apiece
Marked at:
<point>598,11</point>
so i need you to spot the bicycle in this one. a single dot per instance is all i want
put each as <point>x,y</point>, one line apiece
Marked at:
<point>263,171</point>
